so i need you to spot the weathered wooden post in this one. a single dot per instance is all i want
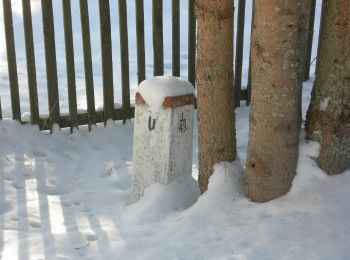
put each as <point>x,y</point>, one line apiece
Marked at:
<point>163,131</point>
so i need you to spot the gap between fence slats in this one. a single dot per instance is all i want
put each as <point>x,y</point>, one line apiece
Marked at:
<point>310,35</point>
<point>322,22</point>
<point>68,37</point>
<point>239,51</point>
<point>89,78</point>
<point>11,60</point>
<point>31,72</point>
<point>249,84</point>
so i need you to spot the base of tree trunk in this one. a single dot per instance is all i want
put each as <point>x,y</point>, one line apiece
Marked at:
<point>277,51</point>
<point>335,150</point>
<point>328,117</point>
<point>263,184</point>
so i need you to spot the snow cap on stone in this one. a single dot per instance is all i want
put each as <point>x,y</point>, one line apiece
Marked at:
<point>154,90</point>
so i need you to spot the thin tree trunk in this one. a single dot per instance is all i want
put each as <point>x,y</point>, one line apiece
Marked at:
<point>328,117</point>
<point>214,77</point>
<point>275,118</point>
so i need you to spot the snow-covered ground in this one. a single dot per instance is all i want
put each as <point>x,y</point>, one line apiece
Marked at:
<point>66,196</point>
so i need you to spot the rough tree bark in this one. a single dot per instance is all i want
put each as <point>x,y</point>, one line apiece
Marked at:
<point>328,116</point>
<point>275,117</point>
<point>215,95</point>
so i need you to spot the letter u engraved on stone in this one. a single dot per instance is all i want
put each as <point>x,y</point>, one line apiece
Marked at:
<point>151,123</point>
<point>182,124</point>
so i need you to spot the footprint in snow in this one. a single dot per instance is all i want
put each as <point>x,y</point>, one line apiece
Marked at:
<point>8,176</point>
<point>35,224</point>
<point>5,207</point>
<point>91,237</point>
<point>72,228</point>
<point>122,186</point>
<point>17,185</point>
<point>121,183</point>
<point>53,190</point>
<point>86,209</point>
<point>52,181</point>
<point>39,154</point>
<point>19,158</point>
<point>28,174</point>
<point>66,203</point>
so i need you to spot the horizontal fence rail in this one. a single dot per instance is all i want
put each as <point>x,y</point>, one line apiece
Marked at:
<point>125,111</point>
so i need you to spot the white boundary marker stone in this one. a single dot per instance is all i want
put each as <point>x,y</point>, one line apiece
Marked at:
<point>162,146</point>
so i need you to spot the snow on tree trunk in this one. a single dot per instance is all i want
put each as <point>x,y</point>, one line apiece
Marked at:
<point>328,116</point>
<point>275,117</point>
<point>214,75</point>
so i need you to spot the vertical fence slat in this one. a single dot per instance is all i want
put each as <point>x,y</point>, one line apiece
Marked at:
<point>50,58</point>
<point>89,78</point>
<point>322,22</point>
<point>32,83</point>
<point>249,89</point>
<point>0,110</point>
<point>68,37</point>
<point>124,54</point>
<point>191,42</point>
<point>239,51</point>
<point>158,51</point>
<point>107,63</point>
<point>176,37</point>
<point>11,60</point>
<point>310,35</point>
<point>140,41</point>
<point>249,84</point>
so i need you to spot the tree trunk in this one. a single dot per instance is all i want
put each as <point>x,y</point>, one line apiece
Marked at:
<point>215,95</point>
<point>328,117</point>
<point>275,117</point>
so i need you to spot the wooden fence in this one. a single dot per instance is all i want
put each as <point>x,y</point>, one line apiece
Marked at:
<point>91,116</point>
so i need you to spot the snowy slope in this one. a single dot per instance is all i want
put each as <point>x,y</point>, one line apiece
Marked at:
<point>67,196</point>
